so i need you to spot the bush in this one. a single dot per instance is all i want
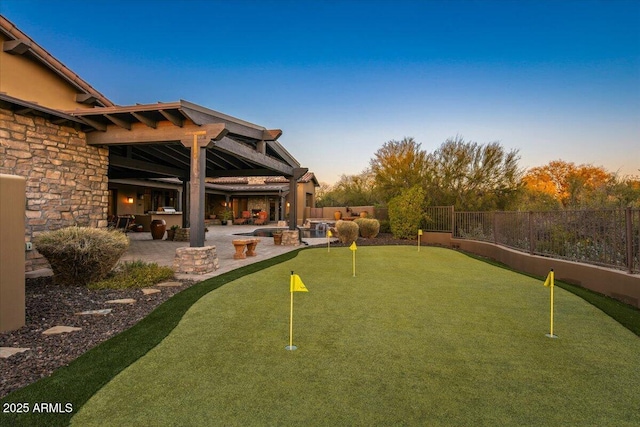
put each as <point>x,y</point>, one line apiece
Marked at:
<point>81,255</point>
<point>347,231</point>
<point>134,274</point>
<point>406,212</point>
<point>369,228</point>
<point>385,226</point>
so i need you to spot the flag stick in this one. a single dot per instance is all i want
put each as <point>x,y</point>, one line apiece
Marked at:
<point>354,263</point>
<point>291,346</point>
<point>551,285</point>
<point>419,235</point>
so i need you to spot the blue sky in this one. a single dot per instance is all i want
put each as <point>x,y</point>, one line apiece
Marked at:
<point>553,79</point>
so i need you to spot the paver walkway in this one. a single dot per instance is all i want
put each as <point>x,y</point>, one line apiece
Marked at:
<point>162,252</point>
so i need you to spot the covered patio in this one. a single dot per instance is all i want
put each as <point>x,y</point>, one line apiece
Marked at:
<point>189,142</point>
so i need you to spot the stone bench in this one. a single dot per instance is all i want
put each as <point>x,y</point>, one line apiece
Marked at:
<point>242,244</point>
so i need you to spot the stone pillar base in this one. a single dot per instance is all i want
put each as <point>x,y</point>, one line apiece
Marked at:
<point>291,238</point>
<point>196,260</point>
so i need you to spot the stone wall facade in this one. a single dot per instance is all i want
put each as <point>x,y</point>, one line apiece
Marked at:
<point>67,180</point>
<point>258,203</point>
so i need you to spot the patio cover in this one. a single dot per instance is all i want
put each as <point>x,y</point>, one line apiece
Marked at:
<point>184,140</point>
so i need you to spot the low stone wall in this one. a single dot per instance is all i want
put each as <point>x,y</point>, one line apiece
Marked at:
<point>182,235</point>
<point>196,260</point>
<point>616,284</point>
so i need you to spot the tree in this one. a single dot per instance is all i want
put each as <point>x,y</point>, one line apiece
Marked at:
<point>398,165</point>
<point>406,212</point>
<point>473,176</point>
<point>350,190</point>
<point>570,185</point>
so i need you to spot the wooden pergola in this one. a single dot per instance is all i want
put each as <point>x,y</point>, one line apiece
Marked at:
<point>189,142</point>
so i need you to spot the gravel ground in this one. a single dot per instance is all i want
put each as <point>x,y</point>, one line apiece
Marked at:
<point>49,305</point>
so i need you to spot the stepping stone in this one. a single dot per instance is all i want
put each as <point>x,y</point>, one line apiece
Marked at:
<point>170,284</point>
<point>6,352</point>
<point>121,301</point>
<point>90,312</point>
<point>149,291</point>
<point>60,330</point>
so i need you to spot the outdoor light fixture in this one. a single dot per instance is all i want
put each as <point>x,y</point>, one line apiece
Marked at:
<point>129,199</point>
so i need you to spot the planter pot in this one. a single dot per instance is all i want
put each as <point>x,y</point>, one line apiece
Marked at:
<point>337,215</point>
<point>363,214</point>
<point>158,227</point>
<point>171,234</point>
<point>277,239</point>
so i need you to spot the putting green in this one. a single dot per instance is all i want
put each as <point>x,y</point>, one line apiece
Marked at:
<point>416,338</point>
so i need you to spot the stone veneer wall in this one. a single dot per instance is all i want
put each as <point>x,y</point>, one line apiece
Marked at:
<point>258,203</point>
<point>67,180</point>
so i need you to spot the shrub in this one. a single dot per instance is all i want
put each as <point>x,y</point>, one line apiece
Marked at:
<point>134,274</point>
<point>385,226</point>
<point>347,231</point>
<point>369,228</point>
<point>406,212</point>
<point>81,255</point>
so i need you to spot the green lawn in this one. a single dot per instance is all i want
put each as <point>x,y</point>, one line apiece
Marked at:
<point>417,338</point>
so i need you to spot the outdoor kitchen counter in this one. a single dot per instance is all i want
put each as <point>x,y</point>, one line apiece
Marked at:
<point>171,218</point>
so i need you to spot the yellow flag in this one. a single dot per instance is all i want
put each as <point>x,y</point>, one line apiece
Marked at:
<point>329,233</point>
<point>549,280</point>
<point>297,285</point>
<point>353,246</point>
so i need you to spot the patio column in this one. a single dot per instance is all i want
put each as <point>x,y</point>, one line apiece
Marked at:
<point>293,191</point>
<point>198,142</point>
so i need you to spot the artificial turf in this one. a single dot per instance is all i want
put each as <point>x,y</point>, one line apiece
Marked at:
<point>429,338</point>
<point>416,338</point>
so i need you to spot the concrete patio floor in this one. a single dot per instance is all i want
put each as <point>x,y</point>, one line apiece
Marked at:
<point>143,247</point>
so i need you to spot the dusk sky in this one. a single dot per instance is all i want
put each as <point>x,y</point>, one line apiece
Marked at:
<point>553,79</point>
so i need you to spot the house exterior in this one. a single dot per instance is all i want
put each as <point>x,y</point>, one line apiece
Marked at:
<point>84,157</point>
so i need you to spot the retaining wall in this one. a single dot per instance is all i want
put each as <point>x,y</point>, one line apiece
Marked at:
<point>617,284</point>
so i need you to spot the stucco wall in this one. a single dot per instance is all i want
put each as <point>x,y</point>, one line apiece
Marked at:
<point>18,77</point>
<point>66,179</point>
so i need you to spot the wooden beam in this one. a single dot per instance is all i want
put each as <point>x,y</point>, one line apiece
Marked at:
<point>173,118</point>
<point>230,146</point>
<point>293,192</point>
<point>142,134</point>
<point>271,134</point>
<point>94,124</point>
<point>86,98</point>
<point>16,47</point>
<point>141,165</point>
<point>119,122</point>
<point>144,119</point>
<point>234,127</point>
<point>241,172</point>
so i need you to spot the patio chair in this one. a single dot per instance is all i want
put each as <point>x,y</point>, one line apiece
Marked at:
<point>246,216</point>
<point>262,218</point>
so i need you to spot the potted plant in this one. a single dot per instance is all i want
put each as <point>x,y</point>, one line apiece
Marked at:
<point>171,232</point>
<point>225,216</point>
<point>277,237</point>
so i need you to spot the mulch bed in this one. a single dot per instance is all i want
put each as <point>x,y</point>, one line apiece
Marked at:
<point>49,305</point>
